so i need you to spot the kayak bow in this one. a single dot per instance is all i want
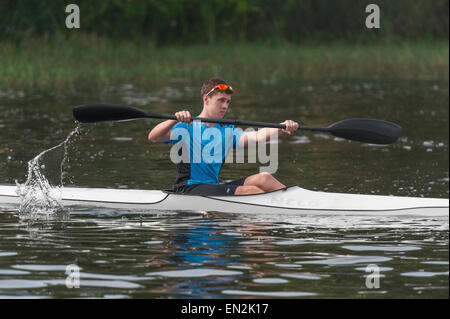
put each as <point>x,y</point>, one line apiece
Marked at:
<point>290,200</point>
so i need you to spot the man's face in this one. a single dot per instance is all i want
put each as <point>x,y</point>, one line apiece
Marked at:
<point>217,105</point>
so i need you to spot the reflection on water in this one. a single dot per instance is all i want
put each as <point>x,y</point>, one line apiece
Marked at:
<point>178,255</point>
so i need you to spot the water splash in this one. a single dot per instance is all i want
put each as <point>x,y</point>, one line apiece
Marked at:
<point>38,198</point>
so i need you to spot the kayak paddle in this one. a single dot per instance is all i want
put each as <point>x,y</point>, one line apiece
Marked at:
<point>361,130</point>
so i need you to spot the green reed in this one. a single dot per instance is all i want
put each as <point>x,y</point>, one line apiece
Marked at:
<point>91,63</point>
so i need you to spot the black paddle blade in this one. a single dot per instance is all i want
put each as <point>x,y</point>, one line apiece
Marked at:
<point>366,130</point>
<point>92,113</point>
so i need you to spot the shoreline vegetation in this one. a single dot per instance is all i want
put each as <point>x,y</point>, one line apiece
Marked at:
<point>88,63</point>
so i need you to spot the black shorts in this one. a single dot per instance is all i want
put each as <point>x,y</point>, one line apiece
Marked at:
<point>212,190</point>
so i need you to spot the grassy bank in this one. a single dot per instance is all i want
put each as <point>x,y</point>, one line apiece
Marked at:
<point>89,63</point>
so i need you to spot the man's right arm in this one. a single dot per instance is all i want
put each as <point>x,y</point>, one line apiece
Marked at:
<point>161,132</point>
<point>266,134</point>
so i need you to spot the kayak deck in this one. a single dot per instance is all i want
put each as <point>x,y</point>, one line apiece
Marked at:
<point>291,200</point>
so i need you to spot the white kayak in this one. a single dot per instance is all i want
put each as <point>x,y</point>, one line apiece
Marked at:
<point>291,200</point>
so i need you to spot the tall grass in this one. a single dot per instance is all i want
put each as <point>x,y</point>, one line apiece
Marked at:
<point>91,63</point>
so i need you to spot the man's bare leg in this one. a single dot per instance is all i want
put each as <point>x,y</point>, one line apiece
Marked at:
<point>247,190</point>
<point>259,183</point>
<point>264,181</point>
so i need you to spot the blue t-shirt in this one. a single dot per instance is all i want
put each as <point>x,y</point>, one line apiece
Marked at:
<point>207,148</point>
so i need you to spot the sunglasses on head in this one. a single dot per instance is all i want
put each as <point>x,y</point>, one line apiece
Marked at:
<point>221,87</point>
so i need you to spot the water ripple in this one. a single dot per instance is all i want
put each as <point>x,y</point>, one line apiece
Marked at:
<point>283,294</point>
<point>347,260</point>
<point>191,273</point>
<point>381,248</point>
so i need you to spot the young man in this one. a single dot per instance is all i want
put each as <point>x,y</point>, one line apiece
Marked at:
<point>201,177</point>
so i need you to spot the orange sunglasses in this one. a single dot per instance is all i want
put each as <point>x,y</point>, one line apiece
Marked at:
<point>221,87</point>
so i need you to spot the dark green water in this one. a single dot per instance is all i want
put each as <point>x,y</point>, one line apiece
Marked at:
<point>178,255</point>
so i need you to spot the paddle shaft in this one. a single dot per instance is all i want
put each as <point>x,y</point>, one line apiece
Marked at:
<point>235,122</point>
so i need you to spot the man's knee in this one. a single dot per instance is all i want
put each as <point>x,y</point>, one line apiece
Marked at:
<point>266,177</point>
